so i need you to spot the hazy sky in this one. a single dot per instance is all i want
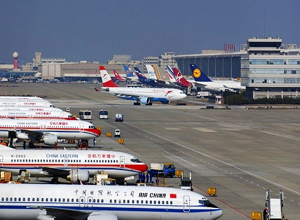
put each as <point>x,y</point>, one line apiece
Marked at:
<point>95,30</point>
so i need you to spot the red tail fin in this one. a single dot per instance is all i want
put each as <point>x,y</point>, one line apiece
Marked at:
<point>106,80</point>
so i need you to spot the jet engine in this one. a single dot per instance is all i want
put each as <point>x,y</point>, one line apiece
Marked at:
<point>145,100</point>
<point>50,139</point>
<point>78,175</point>
<point>21,135</point>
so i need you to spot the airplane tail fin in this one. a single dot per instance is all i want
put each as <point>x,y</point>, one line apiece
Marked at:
<point>106,80</point>
<point>171,74</point>
<point>127,71</point>
<point>117,75</point>
<point>198,74</point>
<point>150,71</point>
<point>139,74</point>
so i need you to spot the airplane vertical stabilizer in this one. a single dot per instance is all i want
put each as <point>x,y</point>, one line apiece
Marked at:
<point>106,80</point>
<point>127,71</point>
<point>198,75</point>
<point>150,71</point>
<point>171,74</point>
<point>156,71</point>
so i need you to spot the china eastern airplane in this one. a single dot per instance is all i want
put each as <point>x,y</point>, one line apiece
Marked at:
<point>23,108</point>
<point>103,202</point>
<point>25,103</point>
<point>217,85</point>
<point>47,130</point>
<point>36,114</point>
<point>140,95</point>
<point>73,165</point>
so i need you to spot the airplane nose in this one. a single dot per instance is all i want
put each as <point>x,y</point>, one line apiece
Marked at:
<point>218,214</point>
<point>97,132</point>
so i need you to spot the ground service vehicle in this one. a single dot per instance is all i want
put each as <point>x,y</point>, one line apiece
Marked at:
<point>103,114</point>
<point>117,133</point>
<point>119,117</point>
<point>275,206</point>
<point>85,114</point>
<point>186,183</point>
<point>166,169</point>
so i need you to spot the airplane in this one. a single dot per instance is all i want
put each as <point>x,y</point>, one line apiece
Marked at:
<point>25,103</point>
<point>30,114</point>
<point>109,202</point>
<point>129,74</point>
<point>140,95</point>
<point>73,165</point>
<point>157,82</point>
<point>143,79</point>
<point>181,80</point>
<point>118,77</point>
<point>24,108</point>
<point>47,130</point>
<point>217,85</point>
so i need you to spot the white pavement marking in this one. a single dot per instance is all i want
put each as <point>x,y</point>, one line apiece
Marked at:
<point>220,161</point>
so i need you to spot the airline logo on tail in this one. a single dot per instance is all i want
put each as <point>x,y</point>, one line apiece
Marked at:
<point>127,71</point>
<point>198,74</point>
<point>106,80</point>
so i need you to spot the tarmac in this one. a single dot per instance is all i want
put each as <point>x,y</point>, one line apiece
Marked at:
<point>241,152</point>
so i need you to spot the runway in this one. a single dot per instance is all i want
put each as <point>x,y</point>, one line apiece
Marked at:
<point>241,153</point>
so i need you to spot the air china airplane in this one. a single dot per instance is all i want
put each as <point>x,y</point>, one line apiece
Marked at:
<point>36,114</point>
<point>94,202</point>
<point>21,97</point>
<point>217,85</point>
<point>47,130</point>
<point>73,165</point>
<point>140,95</point>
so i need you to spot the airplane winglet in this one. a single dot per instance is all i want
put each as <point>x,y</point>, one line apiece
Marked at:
<point>97,90</point>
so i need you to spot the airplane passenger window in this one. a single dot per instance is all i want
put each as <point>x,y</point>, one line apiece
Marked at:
<point>171,203</point>
<point>59,200</point>
<point>163,202</point>
<point>150,201</point>
<point>33,199</point>
<point>15,199</point>
<point>128,201</point>
<point>19,199</point>
<point>137,201</point>
<point>2,199</point>
<point>154,202</point>
<point>167,202</point>
<point>102,200</point>
<point>158,202</point>
<point>11,199</point>
<point>146,201</point>
<point>110,201</point>
<point>132,201</point>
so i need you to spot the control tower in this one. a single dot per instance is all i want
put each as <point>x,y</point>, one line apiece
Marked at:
<point>15,61</point>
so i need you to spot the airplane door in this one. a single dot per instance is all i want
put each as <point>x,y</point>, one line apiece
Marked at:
<point>1,160</point>
<point>186,203</point>
<point>122,161</point>
<point>81,126</point>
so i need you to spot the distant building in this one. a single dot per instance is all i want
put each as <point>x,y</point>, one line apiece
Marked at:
<point>265,66</point>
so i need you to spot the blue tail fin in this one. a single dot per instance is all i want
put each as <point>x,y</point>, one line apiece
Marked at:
<point>127,71</point>
<point>198,74</point>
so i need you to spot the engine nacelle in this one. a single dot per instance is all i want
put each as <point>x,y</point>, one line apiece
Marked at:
<point>145,100</point>
<point>78,175</point>
<point>49,139</point>
<point>22,135</point>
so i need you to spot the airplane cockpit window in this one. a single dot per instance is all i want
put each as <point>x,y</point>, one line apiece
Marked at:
<point>91,126</point>
<point>135,160</point>
<point>207,203</point>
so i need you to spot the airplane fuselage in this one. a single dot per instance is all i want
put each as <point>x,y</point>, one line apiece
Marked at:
<point>40,201</point>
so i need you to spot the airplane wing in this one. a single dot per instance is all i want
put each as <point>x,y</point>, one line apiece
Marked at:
<point>56,172</point>
<point>33,135</point>
<point>64,213</point>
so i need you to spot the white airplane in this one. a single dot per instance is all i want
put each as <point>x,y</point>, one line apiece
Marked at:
<point>21,97</point>
<point>140,95</point>
<point>36,114</point>
<point>23,108</point>
<point>94,202</point>
<point>73,165</point>
<point>217,85</point>
<point>47,130</point>
<point>25,103</point>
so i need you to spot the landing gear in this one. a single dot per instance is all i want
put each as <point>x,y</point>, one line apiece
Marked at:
<point>136,103</point>
<point>54,180</point>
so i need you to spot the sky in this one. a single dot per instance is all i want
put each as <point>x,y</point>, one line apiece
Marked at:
<point>95,30</point>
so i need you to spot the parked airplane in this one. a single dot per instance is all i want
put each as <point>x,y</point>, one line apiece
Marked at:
<point>143,79</point>
<point>25,103</point>
<point>217,85</point>
<point>140,95</point>
<point>73,165</point>
<point>118,77</point>
<point>129,74</point>
<point>47,130</point>
<point>94,202</point>
<point>21,97</point>
<point>23,108</point>
<point>181,80</point>
<point>19,114</point>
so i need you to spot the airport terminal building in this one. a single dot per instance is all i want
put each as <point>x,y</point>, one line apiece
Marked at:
<point>265,66</point>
